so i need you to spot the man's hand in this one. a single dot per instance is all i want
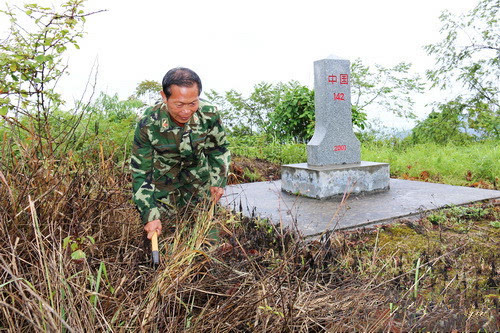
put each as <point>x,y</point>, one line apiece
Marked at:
<point>153,226</point>
<point>216,193</point>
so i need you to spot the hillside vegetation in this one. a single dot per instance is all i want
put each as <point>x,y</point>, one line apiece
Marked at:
<point>472,164</point>
<point>73,257</point>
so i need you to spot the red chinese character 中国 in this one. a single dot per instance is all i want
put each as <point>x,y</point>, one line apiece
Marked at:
<point>332,79</point>
<point>344,79</point>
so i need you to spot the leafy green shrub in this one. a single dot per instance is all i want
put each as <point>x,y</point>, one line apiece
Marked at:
<point>293,117</point>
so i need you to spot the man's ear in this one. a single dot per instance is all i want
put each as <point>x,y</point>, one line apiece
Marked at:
<point>163,96</point>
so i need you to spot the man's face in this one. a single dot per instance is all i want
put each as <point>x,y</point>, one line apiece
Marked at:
<point>182,103</point>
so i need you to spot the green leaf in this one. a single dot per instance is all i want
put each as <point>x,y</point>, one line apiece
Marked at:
<point>78,254</point>
<point>13,67</point>
<point>495,224</point>
<point>74,246</point>
<point>40,58</point>
<point>91,239</point>
<point>66,242</point>
<point>4,110</point>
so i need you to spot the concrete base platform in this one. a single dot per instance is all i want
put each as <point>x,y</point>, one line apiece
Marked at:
<point>311,216</point>
<point>323,182</point>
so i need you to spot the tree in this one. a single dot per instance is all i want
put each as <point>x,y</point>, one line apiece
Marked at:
<point>31,64</point>
<point>390,89</point>
<point>248,115</point>
<point>293,116</point>
<point>383,88</point>
<point>287,109</point>
<point>469,54</point>
<point>148,91</point>
<point>442,127</point>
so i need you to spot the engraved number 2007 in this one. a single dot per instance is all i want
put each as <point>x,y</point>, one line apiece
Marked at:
<point>340,148</point>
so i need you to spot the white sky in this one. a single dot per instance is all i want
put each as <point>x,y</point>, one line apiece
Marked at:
<point>236,44</point>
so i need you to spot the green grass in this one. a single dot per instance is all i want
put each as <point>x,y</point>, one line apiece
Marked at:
<point>258,147</point>
<point>450,164</point>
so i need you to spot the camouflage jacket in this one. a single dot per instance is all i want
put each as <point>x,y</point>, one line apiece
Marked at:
<point>167,157</point>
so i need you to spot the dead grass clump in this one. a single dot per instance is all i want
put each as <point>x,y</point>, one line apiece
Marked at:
<point>72,259</point>
<point>59,221</point>
<point>237,287</point>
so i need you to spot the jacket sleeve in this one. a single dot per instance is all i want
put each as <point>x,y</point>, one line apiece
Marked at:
<point>141,165</point>
<point>218,154</point>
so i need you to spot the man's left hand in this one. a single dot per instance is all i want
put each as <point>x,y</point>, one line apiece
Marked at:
<point>216,193</point>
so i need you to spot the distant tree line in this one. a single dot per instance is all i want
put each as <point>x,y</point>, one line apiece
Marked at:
<point>31,64</point>
<point>285,111</point>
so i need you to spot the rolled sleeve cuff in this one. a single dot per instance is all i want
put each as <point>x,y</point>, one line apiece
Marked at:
<point>151,215</point>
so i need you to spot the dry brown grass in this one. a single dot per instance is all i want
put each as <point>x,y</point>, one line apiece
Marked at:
<point>256,279</point>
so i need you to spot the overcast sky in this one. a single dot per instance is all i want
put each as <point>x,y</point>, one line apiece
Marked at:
<point>236,44</point>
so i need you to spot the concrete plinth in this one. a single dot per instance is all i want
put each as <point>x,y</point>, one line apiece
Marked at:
<point>405,199</point>
<point>323,182</point>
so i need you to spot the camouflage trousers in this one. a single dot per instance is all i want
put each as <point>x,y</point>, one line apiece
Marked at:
<point>180,201</point>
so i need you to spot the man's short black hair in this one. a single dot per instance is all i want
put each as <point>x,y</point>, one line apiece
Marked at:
<point>182,77</point>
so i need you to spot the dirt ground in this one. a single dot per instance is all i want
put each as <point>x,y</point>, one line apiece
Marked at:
<point>246,170</point>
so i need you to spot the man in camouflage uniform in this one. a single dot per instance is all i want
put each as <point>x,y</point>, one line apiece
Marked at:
<point>180,153</point>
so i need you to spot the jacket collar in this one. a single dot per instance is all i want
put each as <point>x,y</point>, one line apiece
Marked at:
<point>166,122</point>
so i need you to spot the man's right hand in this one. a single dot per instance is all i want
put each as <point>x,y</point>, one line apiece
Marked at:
<point>153,226</point>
